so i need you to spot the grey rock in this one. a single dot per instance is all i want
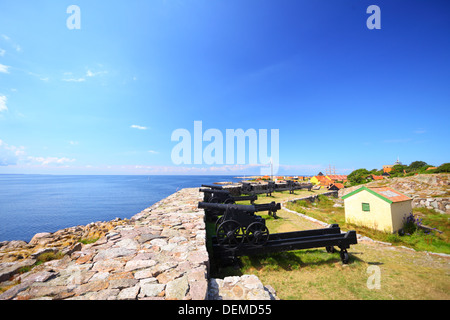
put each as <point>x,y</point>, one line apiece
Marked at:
<point>129,293</point>
<point>148,237</point>
<point>122,283</point>
<point>43,251</point>
<point>177,289</point>
<point>113,253</point>
<point>139,264</point>
<point>151,289</point>
<point>8,272</point>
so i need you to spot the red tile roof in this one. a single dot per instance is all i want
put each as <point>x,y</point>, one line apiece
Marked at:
<point>339,177</point>
<point>390,194</point>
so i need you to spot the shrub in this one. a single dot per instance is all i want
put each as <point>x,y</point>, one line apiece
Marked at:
<point>411,224</point>
<point>358,176</point>
<point>443,168</point>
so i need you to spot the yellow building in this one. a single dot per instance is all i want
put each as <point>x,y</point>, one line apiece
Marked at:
<point>378,208</point>
<point>320,179</point>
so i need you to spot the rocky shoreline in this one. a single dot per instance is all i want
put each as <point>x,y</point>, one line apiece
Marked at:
<point>160,253</point>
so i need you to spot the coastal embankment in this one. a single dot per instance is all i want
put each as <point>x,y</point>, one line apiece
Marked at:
<point>160,253</point>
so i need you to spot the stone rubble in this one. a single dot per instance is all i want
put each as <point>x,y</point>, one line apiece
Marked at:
<point>160,253</point>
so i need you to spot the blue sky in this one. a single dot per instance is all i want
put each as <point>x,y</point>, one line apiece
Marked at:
<point>105,98</point>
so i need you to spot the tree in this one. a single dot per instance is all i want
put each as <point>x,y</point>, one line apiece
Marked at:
<point>398,169</point>
<point>358,176</point>
<point>445,167</point>
<point>417,165</point>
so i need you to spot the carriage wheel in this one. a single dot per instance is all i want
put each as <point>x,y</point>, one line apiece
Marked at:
<point>257,234</point>
<point>229,201</point>
<point>214,200</point>
<point>330,249</point>
<point>218,222</point>
<point>229,234</point>
<point>344,256</point>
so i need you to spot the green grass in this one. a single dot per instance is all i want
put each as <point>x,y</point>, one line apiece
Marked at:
<point>88,241</point>
<point>316,274</point>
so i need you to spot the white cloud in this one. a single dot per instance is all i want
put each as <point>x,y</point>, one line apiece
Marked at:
<point>153,151</point>
<point>90,73</point>
<point>420,131</point>
<point>135,126</point>
<point>41,77</point>
<point>2,52</point>
<point>73,143</point>
<point>3,68</point>
<point>74,80</point>
<point>79,77</point>
<point>3,106</point>
<point>17,47</point>
<point>10,155</point>
<point>50,160</point>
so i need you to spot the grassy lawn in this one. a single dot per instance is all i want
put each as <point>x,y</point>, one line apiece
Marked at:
<point>316,274</point>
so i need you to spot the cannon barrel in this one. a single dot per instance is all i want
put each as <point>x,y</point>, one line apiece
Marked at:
<point>240,207</point>
<point>268,206</point>
<point>235,198</point>
<point>212,186</point>
<point>215,191</point>
<point>225,207</point>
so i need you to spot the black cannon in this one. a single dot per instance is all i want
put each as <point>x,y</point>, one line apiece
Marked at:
<point>291,186</point>
<point>239,224</point>
<point>224,196</point>
<point>220,209</point>
<point>212,186</point>
<point>248,188</point>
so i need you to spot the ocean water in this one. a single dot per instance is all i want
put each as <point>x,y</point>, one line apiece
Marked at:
<point>30,204</point>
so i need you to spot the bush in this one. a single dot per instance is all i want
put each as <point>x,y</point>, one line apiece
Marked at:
<point>416,165</point>
<point>358,176</point>
<point>411,224</point>
<point>445,167</point>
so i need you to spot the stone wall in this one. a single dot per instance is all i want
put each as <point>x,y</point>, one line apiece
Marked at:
<point>160,253</point>
<point>441,205</point>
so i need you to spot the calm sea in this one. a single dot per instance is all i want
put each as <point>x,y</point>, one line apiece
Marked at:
<point>30,204</point>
